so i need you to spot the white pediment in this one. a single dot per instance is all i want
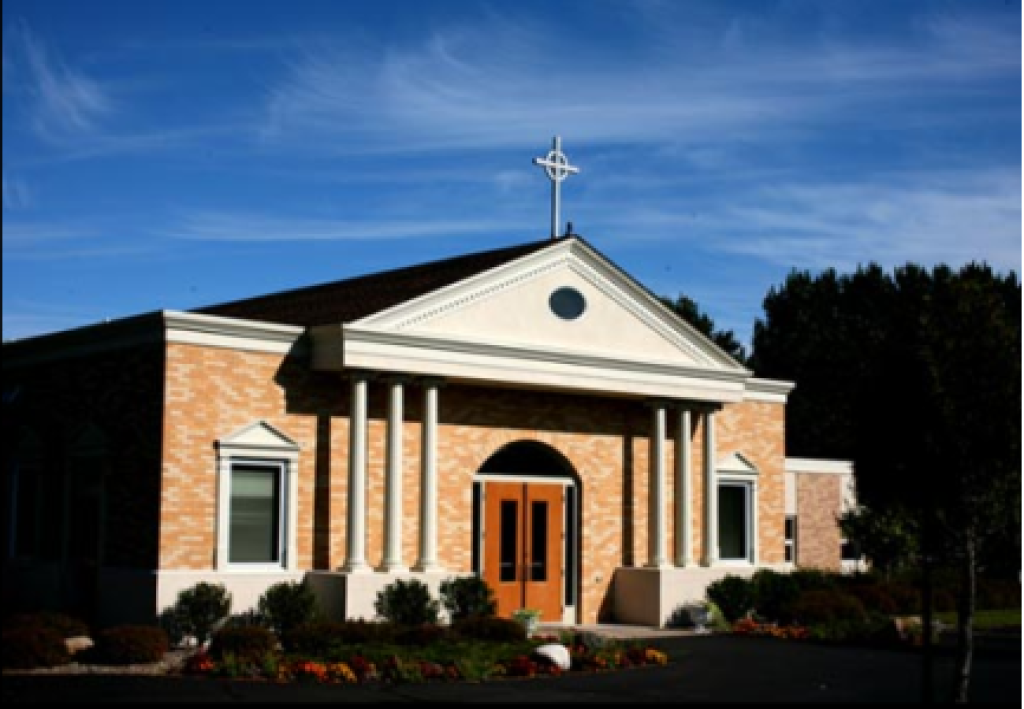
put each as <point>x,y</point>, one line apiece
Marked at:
<point>511,306</point>
<point>736,464</point>
<point>258,436</point>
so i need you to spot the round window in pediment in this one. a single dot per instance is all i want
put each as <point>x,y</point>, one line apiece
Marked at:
<point>567,303</point>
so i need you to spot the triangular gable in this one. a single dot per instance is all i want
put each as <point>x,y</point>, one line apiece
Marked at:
<point>736,464</point>
<point>512,305</point>
<point>259,435</point>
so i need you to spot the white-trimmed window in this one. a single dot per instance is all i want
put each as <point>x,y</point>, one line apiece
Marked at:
<point>734,521</point>
<point>257,499</point>
<point>737,510</point>
<point>257,510</point>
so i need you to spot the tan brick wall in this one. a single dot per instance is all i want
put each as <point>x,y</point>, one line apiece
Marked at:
<point>756,429</point>
<point>818,500</point>
<point>213,392</point>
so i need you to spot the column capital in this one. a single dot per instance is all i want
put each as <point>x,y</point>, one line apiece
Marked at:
<point>658,403</point>
<point>699,407</point>
<point>359,375</point>
<point>432,381</point>
<point>395,378</point>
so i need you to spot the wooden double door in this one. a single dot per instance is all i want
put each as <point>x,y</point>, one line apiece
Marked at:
<point>523,546</point>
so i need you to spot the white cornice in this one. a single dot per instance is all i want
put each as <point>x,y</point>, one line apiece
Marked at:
<point>819,465</point>
<point>335,348</point>
<point>769,390</point>
<point>166,326</point>
<point>230,333</point>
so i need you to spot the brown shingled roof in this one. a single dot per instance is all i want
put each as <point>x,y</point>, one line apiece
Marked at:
<point>355,298</point>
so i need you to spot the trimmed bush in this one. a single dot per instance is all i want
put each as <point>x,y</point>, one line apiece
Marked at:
<point>906,598</point>
<point>822,607</point>
<point>287,605</point>
<point>66,625</point>
<point>811,579</point>
<point>774,594</point>
<point>321,639</point>
<point>874,597</point>
<point>406,602</point>
<point>420,635</point>
<point>489,629</point>
<point>29,647</point>
<point>199,609</point>
<point>248,645</point>
<point>733,595</point>
<point>465,596</point>
<point>129,645</point>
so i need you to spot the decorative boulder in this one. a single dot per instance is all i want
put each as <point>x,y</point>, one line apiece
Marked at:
<point>556,654</point>
<point>78,644</point>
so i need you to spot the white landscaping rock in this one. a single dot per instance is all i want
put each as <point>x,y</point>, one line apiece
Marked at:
<point>78,643</point>
<point>557,654</point>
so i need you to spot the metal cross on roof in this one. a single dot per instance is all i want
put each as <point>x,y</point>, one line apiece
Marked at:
<point>556,165</point>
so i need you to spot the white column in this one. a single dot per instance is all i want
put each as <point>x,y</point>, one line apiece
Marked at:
<point>710,492</point>
<point>428,480</point>
<point>657,557</point>
<point>753,523</point>
<point>393,479</point>
<point>356,530</point>
<point>684,503</point>
<point>223,511</point>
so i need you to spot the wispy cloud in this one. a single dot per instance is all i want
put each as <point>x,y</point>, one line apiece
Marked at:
<point>953,217</point>
<point>65,102</point>
<point>16,193</point>
<point>252,227</point>
<point>502,81</point>
<point>60,241</point>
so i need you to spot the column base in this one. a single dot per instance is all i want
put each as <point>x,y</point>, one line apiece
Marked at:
<point>393,568</point>
<point>356,567</point>
<point>428,567</point>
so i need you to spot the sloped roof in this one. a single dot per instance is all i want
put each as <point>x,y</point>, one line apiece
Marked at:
<point>355,298</point>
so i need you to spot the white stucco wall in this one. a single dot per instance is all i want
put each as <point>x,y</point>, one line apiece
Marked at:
<point>522,315</point>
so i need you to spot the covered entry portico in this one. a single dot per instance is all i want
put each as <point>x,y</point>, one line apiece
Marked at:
<point>561,320</point>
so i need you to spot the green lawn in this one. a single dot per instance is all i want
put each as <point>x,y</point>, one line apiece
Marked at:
<point>987,620</point>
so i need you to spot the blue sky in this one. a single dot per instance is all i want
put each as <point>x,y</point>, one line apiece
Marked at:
<point>169,155</point>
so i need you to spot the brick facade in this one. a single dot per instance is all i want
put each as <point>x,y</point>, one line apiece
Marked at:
<point>818,537</point>
<point>212,392</point>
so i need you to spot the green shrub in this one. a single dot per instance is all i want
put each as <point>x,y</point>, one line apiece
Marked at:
<point>821,606</point>
<point>406,602</point>
<point>29,647</point>
<point>906,598</point>
<point>813,579</point>
<point>733,595</point>
<point>420,635</point>
<point>287,605</point>
<point>489,629</point>
<point>198,609</point>
<point>129,645</point>
<point>66,625</point>
<point>875,597</point>
<point>322,638</point>
<point>774,594</point>
<point>248,645</point>
<point>465,596</point>
<point>998,594</point>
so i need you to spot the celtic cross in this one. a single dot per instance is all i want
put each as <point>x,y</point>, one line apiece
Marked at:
<point>557,167</point>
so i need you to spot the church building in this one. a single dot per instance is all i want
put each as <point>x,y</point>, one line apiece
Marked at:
<point>531,414</point>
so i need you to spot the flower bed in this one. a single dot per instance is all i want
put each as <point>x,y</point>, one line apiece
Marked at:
<point>443,662</point>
